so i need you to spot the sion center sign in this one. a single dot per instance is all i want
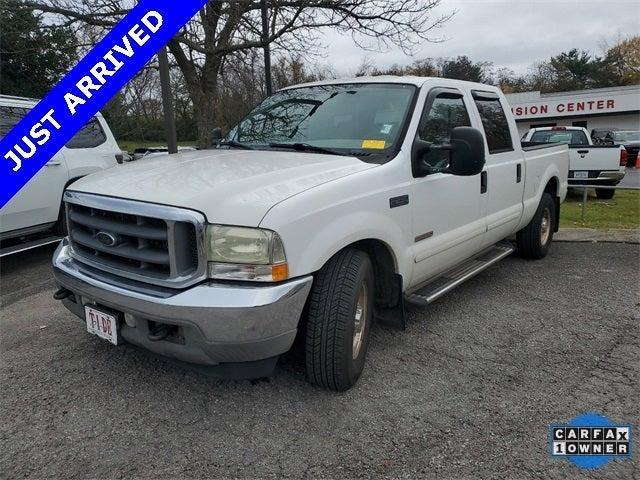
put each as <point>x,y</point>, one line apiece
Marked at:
<point>565,107</point>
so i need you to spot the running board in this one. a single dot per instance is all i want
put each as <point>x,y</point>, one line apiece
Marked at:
<point>28,246</point>
<point>449,280</point>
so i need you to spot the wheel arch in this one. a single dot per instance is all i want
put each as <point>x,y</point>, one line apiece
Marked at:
<point>67,185</point>
<point>553,188</point>
<point>385,270</point>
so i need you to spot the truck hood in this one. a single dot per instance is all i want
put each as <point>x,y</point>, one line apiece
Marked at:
<point>235,187</point>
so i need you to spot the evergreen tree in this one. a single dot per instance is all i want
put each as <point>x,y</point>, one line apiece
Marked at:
<point>33,56</point>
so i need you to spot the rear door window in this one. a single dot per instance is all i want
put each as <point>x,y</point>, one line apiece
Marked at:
<point>9,118</point>
<point>494,121</point>
<point>89,136</point>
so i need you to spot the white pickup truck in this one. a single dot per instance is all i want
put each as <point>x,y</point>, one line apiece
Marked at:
<point>588,163</point>
<point>325,209</point>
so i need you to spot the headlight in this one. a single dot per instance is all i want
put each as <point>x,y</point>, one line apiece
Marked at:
<point>240,253</point>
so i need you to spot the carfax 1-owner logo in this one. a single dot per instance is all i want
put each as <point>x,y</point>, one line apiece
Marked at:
<point>591,441</point>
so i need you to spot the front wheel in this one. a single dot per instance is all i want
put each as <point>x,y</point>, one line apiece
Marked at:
<point>534,240</point>
<point>339,320</point>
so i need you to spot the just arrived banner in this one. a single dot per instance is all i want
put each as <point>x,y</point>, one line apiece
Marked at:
<point>115,60</point>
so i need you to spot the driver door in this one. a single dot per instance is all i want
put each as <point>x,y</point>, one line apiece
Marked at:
<point>448,224</point>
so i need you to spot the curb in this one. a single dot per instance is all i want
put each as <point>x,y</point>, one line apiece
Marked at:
<point>588,235</point>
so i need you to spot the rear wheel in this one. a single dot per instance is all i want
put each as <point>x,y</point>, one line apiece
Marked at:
<point>339,320</point>
<point>534,240</point>
<point>605,194</point>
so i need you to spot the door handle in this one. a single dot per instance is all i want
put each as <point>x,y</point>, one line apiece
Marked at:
<point>53,163</point>
<point>483,182</point>
<point>519,173</point>
<point>583,152</point>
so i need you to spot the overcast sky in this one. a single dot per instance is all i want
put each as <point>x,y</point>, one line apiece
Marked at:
<point>510,33</point>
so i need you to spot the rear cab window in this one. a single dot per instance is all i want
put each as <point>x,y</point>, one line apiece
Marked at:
<point>568,137</point>
<point>494,121</point>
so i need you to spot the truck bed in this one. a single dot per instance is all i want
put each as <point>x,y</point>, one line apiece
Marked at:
<point>540,159</point>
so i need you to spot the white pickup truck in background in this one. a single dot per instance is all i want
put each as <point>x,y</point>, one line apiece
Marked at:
<point>34,216</point>
<point>588,163</point>
<point>325,209</point>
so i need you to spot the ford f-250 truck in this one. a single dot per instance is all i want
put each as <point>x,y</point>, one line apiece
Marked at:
<point>321,213</point>
<point>588,163</point>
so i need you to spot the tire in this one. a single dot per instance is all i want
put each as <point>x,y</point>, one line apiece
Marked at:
<point>342,289</point>
<point>534,240</point>
<point>605,194</point>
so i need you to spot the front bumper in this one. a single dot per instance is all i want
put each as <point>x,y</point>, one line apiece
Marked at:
<point>218,323</point>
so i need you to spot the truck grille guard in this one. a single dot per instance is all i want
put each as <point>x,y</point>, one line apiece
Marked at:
<point>146,242</point>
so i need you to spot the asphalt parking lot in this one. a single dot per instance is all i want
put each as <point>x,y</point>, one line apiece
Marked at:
<point>468,391</point>
<point>631,178</point>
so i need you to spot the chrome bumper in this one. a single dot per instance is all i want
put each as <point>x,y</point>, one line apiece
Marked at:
<point>611,176</point>
<point>617,176</point>
<point>221,323</point>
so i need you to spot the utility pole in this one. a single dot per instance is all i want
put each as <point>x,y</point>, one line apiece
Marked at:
<point>266,46</point>
<point>167,101</point>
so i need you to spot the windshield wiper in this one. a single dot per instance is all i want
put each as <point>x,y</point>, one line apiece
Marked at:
<point>235,144</point>
<point>307,147</point>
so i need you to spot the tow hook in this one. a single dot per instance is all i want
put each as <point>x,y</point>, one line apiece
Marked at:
<point>159,333</point>
<point>62,293</point>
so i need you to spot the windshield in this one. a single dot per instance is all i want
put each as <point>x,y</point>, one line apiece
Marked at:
<point>570,137</point>
<point>356,119</point>
<point>626,136</point>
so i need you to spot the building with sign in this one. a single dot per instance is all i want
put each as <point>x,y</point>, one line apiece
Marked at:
<point>615,107</point>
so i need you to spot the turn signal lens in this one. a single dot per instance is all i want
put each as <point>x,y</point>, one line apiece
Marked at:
<point>280,273</point>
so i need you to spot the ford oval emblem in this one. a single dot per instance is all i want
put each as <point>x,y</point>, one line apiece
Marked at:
<point>107,239</point>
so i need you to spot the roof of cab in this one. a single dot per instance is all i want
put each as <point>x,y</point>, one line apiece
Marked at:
<point>17,101</point>
<point>406,80</point>
<point>12,101</point>
<point>559,128</point>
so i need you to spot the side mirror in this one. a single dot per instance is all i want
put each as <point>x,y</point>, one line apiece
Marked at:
<point>466,153</point>
<point>217,135</point>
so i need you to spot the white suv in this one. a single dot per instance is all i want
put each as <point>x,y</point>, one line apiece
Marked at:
<point>36,207</point>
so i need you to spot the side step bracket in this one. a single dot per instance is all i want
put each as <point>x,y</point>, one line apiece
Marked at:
<point>435,288</point>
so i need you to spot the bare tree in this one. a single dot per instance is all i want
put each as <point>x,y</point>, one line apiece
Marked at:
<point>223,28</point>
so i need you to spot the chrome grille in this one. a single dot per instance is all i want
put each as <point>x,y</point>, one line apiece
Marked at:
<point>146,242</point>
